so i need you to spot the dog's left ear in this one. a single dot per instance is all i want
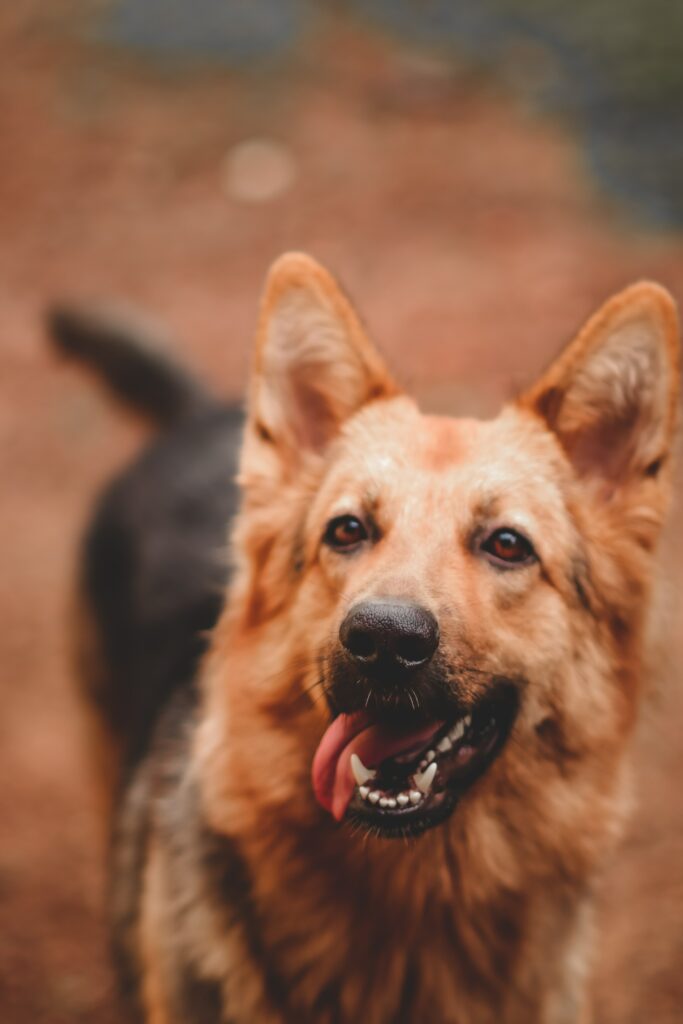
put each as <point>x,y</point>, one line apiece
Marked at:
<point>314,365</point>
<point>612,395</point>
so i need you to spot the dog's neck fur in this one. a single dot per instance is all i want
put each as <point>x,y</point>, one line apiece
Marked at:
<point>376,937</point>
<point>351,927</point>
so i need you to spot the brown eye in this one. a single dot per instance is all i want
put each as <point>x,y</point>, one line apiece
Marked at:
<point>344,533</point>
<point>506,545</point>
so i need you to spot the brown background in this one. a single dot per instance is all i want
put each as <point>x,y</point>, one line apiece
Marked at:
<point>470,228</point>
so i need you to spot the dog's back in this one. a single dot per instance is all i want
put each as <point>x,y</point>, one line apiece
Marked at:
<point>154,563</point>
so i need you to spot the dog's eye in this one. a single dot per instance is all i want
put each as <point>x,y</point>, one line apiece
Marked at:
<point>506,545</point>
<point>344,533</point>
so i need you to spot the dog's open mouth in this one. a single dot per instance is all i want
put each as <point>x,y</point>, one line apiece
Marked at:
<point>399,777</point>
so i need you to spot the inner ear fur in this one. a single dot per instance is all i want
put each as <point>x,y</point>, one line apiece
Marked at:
<point>612,395</point>
<point>314,365</point>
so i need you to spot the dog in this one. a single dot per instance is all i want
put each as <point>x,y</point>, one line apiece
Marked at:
<point>366,763</point>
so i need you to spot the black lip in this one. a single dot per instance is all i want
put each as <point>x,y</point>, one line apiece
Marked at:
<point>431,692</point>
<point>493,717</point>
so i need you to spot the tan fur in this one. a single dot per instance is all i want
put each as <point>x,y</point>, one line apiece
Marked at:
<point>152,928</point>
<point>486,918</point>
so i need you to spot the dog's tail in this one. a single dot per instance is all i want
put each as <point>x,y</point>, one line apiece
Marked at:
<point>131,358</point>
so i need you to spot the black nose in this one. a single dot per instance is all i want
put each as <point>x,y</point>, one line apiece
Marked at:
<point>390,634</point>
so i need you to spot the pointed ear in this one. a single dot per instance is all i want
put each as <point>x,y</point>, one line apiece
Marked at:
<point>612,395</point>
<point>314,365</point>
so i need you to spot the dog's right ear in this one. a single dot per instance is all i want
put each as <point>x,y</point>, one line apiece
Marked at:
<point>611,398</point>
<point>314,368</point>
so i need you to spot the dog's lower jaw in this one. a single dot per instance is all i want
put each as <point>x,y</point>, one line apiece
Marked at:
<point>450,763</point>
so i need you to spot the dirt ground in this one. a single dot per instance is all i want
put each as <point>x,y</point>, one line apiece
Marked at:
<point>468,230</point>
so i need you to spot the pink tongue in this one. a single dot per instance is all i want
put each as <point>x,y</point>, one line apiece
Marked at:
<point>333,781</point>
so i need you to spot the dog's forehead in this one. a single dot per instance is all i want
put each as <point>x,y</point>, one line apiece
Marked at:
<point>393,443</point>
<point>402,467</point>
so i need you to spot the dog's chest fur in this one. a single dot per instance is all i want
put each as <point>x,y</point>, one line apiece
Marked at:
<point>192,923</point>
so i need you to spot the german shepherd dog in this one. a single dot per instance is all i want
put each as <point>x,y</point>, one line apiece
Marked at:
<point>368,768</point>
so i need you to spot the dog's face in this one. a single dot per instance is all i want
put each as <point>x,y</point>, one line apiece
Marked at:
<point>443,561</point>
<point>452,600</point>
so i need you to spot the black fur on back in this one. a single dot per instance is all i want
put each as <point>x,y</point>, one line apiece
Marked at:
<point>154,565</point>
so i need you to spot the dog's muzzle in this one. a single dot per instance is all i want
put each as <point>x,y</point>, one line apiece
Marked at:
<point>405,741</point>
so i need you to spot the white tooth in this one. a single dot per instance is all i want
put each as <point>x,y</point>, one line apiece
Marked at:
<point>360,773</point>
<point>430,756</point>
<point>415,796</point>
<point>364,791</point>
<point>457,731</point>
<point>425,779</point>
<point>391,802</point>
<point>402,799</point>
<point>374,796</point>
<point>444,745</point>
<point>467,721</point>
<point>383,801</point>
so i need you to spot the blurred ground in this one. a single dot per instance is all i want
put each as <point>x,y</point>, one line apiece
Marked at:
<point>473,228</point>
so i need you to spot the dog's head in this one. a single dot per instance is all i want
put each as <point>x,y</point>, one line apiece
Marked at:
<point>446,601</point>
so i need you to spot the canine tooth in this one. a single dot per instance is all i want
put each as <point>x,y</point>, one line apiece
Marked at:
<point>430,756</point>
<point>444,745</point>
<point>360,773</point>
<point>374,796</point>
<point>402,799</point>
<point>458,731</point>
<point>415,796</point>
<point>383,801</point>
<point>364,791</point>
<point>424,780</point>
<point>391,802</point>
